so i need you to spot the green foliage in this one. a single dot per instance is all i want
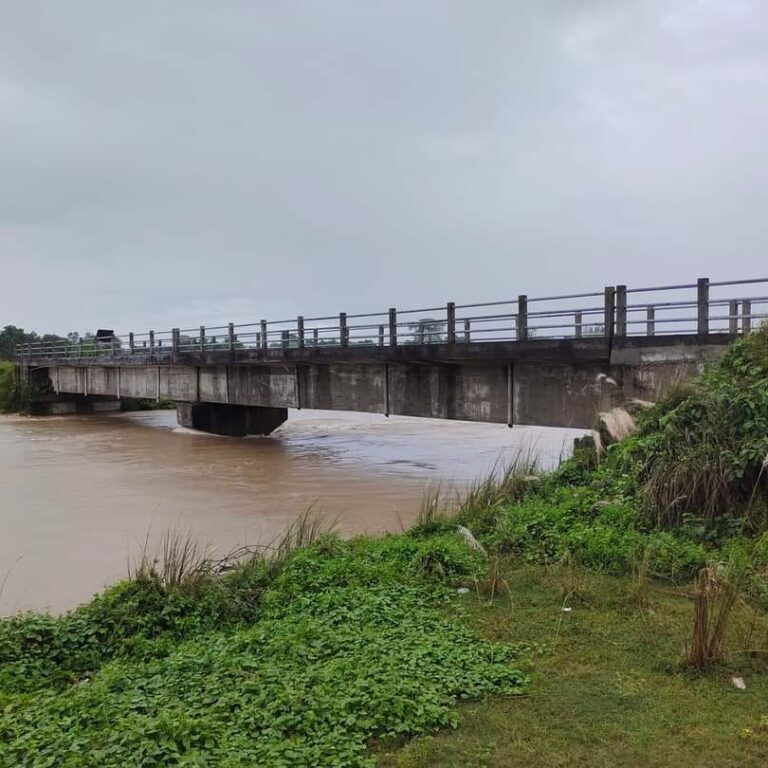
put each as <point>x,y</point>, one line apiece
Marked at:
<point>296,665</point>
<point>12,337</point>
<point>562,521</point>
<point>14,395</point>
<point>701,451</point>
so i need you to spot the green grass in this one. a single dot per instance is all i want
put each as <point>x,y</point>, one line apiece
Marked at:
<point>608,687</point>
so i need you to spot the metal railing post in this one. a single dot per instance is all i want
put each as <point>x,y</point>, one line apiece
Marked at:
<point>392,327</point>
<point>130,343</point>
<point>522,317</point>
<point>578,325</point>
<point>300,330</point>
<point>151,342</point>
<point>467,328</point>
<point>650,321</point>
<point>733,317</point>
<point>343,332</point>
<point>315,337</point>
<point>231,335</point>
<point>746,315</point>
<point>202,338</point>
<point>175,341</point>
<point>284,337</point>
<point>621,311</point>
<point>381,335</point>
<point>450,312</point>
<point>609,306</point>
<point>702,304</point>
<point>264,342</point>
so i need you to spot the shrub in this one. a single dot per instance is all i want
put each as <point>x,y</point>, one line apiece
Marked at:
<point>701,451</point>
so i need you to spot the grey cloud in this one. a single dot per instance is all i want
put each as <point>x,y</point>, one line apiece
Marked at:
<point>183,162</point>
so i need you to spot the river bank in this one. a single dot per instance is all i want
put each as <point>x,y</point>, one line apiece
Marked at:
<point>592,622</point>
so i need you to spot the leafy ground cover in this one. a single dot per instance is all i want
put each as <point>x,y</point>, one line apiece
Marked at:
<point>340,643</point>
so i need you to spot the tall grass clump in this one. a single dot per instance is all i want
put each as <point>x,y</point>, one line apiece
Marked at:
<point>477,507</point>
<point>179,563</point>
<point>716,592</point>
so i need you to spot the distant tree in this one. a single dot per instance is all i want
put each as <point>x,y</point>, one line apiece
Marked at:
<point>427,331</point>
<point>12,337</point>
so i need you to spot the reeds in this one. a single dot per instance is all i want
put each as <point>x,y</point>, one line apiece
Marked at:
<point>476,506</point>
<point>715,594</point>
<point>180,563</point>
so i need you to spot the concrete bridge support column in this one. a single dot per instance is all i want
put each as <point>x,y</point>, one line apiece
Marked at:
<point>232,420</point>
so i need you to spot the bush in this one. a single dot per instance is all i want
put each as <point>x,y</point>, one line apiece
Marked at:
<point>703,450</point>
<point>599,533</point>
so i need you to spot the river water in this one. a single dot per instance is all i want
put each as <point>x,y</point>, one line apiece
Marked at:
<point>80,495</point>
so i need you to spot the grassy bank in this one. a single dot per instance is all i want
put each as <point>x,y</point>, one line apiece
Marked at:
<point>298,658</point>
<point>596,615</point>
<point>609,684</point>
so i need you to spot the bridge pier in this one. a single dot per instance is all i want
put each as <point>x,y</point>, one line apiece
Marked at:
<point>232,420</point>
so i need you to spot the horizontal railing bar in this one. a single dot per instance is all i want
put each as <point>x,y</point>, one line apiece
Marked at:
<point>662,288</point>
<point>662,305</point>
<point>369,314</point>
<point>566,296</point>
<point>316,319</point>
<point>749,281</point>
<point>416,311</point>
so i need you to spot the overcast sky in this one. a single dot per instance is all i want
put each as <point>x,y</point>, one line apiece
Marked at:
<point>185,162</point>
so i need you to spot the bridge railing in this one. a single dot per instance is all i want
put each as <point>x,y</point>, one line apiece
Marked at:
<point>703,307</point>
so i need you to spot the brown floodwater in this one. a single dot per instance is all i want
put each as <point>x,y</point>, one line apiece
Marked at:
<point>80,495</point>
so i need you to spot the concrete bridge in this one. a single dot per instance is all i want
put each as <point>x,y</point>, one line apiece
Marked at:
<point>549,361</point>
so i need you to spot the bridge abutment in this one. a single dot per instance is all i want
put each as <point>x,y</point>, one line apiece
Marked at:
<point>232,420</point>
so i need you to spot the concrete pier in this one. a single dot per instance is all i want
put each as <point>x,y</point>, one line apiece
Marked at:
<point>232,420</point>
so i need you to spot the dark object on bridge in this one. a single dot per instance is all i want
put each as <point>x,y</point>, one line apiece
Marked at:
<point>104,336</point>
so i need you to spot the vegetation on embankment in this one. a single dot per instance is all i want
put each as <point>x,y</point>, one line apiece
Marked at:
<point>296,659</point>
<point>14,395</point>
<point>330,653</point>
